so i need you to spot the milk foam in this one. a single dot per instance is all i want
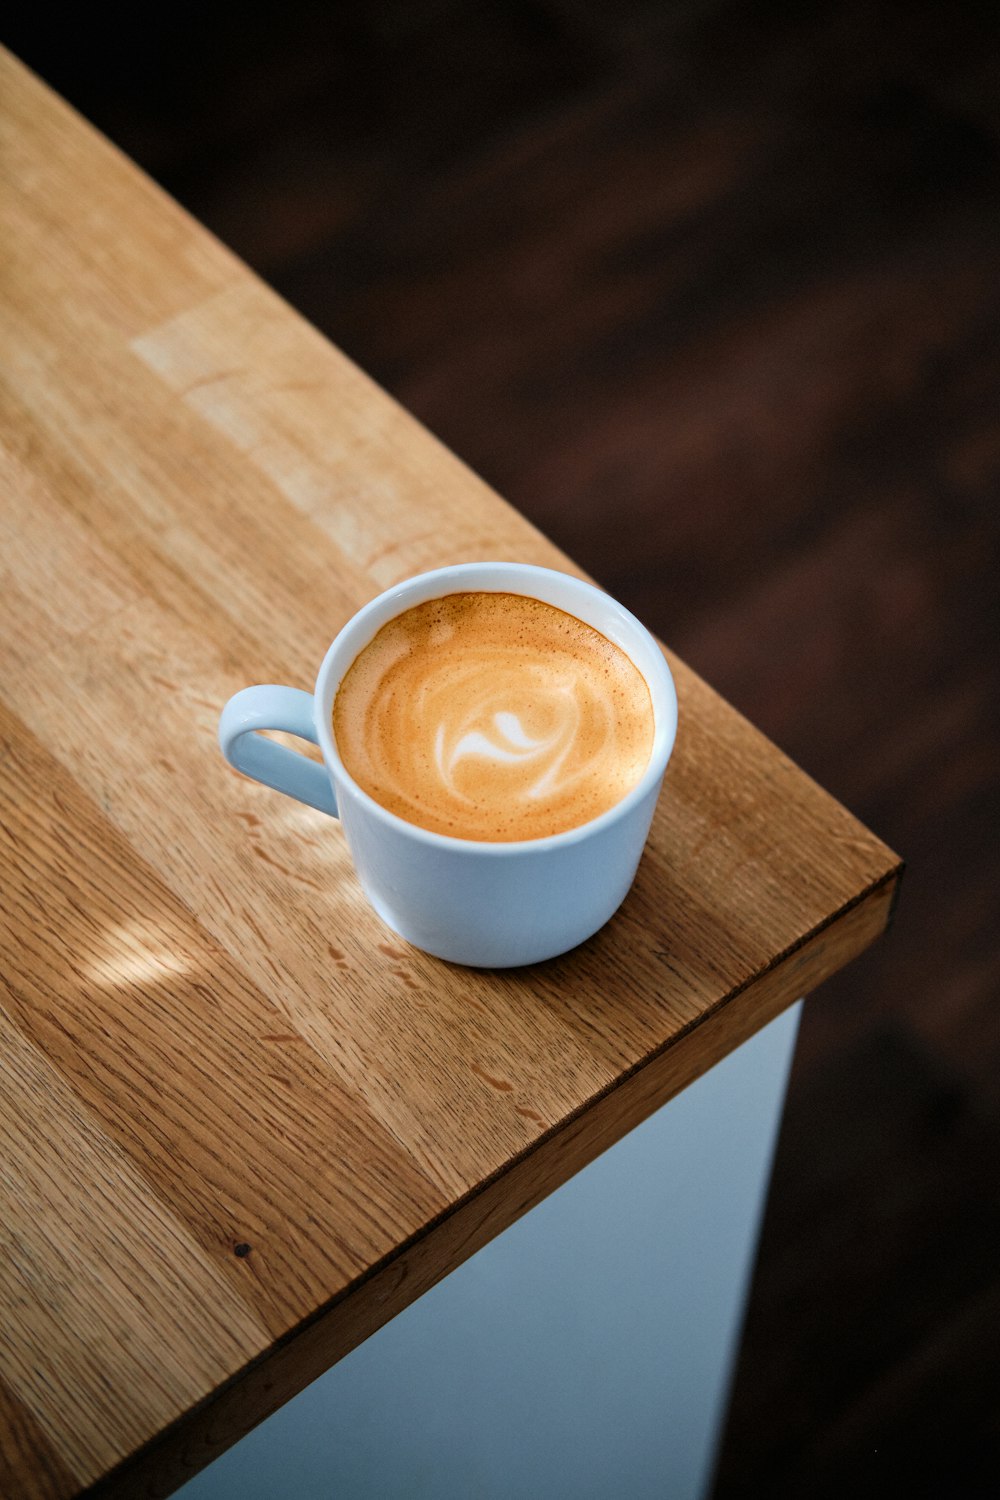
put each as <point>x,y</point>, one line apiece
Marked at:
<point>493,716</point>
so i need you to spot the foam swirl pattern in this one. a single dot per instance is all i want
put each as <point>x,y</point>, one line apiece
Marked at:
<point>493,717</point>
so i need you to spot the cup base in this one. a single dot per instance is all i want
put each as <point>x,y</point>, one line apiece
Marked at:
<point>479,955</point>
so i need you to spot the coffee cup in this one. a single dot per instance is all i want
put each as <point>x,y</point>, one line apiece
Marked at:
<point>492,902</point>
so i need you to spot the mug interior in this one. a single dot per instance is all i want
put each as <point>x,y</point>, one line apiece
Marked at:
<point>572,595</point>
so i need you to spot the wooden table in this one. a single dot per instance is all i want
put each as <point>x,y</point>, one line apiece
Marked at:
<point>242,1124</point>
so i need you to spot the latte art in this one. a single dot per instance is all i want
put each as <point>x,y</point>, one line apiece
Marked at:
<point>495,717</point>
<point>509,744</point>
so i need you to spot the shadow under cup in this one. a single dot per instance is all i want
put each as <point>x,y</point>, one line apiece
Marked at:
<point>488,905</point>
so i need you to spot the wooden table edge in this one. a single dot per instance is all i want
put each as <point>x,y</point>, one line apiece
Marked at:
<point>317,1343</point>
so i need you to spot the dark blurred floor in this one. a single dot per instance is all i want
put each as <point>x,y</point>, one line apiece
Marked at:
<point>711,292</point>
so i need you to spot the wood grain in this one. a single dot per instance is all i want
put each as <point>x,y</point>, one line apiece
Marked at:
<point>243,1124</point>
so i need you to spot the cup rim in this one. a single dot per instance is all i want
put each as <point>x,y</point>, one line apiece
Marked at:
<point>462,576</point>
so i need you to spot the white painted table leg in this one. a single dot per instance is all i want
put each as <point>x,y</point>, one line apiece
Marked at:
<point>586,1352</point>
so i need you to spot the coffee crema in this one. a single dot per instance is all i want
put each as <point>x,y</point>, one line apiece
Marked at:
<point>493,717</point>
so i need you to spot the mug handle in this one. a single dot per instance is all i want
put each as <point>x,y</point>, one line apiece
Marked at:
<point>272,707</point>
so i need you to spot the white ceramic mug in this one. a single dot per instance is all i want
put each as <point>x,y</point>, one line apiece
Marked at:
<point>490,905</point>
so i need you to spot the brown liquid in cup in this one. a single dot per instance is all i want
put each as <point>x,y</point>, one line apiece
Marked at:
<point>493,717</point>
